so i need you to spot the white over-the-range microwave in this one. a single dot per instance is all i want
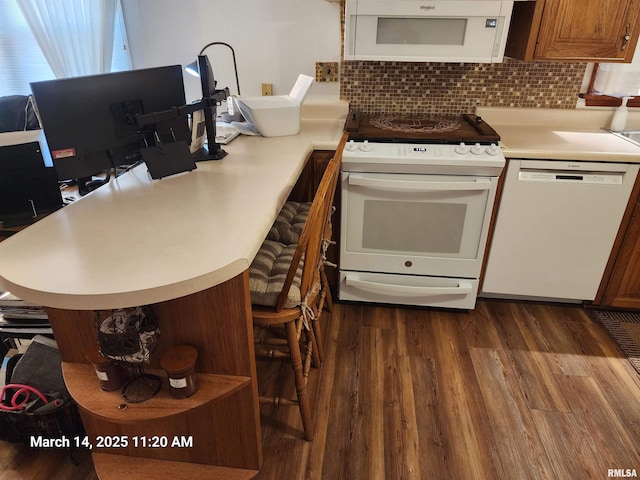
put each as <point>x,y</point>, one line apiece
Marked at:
<point>473,31</point>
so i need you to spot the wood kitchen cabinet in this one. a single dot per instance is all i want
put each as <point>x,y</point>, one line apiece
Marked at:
<point>574,30</point>
<point>309,179</point>
<point>621,283</point>
<point>319,160</point>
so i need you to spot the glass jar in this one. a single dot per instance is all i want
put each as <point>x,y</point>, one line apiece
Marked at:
<point>179,362</point>
<point>110,375</point>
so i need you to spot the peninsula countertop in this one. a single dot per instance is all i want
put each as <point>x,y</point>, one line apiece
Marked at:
<point>139,241</point>
<point>561,134</point>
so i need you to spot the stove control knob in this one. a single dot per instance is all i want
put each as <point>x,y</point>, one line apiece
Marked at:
<point>477,149</point>
<point>351,146</point>
<point>493,149</point>
<point>462,149</point>
<point>365,147</point>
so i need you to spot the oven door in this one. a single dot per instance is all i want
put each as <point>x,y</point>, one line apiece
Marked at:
<point>443,31</point>
<point>415,224</point>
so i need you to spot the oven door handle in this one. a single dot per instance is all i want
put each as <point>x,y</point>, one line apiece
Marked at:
<point>463,288</point>
<point>413,185</point>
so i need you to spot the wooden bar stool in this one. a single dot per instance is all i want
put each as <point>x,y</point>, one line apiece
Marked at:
<point>285,285</point>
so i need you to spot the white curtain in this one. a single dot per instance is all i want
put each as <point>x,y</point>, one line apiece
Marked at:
<point>76,36</point>
<point>619,79</point>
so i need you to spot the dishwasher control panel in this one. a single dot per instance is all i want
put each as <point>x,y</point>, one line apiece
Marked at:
<point>570,177</point>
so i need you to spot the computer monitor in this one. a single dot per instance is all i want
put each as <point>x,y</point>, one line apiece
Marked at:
<point>211,97</point>
<point>90,121</point>
<point>28,181</point>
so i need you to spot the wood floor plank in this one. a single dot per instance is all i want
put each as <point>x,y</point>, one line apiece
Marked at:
<point>331,330</point>
<point>344,403</point>
<point>592,409</point>
<point>434,441</point>
<point>530,320</point>
<point>519,450</point>
<point>19,462</point>
<point>479,327</point>
<point>468,446</point>
<point>536,379</point>
<point>401,446</point>
<point>502,318</point>
<point>368,442</point>
<point>614,377</point>
<point>376,316</point>
<point>564,331</point>
<point>410,326</point>
<point>570,449</point>
<point>568,357</point>
<point>288,459</point>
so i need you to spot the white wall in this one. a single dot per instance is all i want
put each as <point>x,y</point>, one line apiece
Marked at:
<point>274,40</point>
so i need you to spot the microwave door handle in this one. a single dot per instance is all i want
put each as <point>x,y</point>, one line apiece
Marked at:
<point>412,185</point>
<point>463,288</point>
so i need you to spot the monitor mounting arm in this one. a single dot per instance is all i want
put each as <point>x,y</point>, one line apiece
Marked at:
<point>209,107</point>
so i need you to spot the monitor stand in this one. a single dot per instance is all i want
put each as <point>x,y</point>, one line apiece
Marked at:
<point>165,159</point>
<point>89,184</point>
<point>204,154</point>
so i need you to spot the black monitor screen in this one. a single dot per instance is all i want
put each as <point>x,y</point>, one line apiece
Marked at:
<point>28,182</point>
<point>89,121</point>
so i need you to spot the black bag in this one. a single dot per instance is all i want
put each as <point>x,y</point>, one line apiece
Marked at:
<point>54,423</point>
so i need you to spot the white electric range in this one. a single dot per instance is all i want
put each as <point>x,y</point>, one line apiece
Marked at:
<point>417,199</point>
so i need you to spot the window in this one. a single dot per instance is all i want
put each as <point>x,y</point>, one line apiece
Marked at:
<point>609,78</point>
<point>21,60</point>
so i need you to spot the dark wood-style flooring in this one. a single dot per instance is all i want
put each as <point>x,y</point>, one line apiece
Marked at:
<point>507,391</point>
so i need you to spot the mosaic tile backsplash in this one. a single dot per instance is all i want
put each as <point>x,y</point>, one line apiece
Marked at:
<point>454,88</point>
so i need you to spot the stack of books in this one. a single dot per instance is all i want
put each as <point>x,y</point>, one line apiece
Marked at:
<point>19,318</point>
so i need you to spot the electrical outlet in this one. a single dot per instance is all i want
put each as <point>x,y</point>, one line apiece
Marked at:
<point>327,71</point>
<point>267,89</point>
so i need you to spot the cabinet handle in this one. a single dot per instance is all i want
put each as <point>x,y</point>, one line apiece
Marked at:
<point>626,37</point>
<point>481,183</point>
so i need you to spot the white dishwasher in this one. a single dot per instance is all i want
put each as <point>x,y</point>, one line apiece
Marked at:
<point>555,227</point>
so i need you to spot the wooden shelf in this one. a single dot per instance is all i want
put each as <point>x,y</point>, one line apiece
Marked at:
<point>83,386</point>
<point>117,467</point>
<point>220,423</point>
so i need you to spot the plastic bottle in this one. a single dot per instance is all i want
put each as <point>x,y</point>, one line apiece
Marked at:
<point>619,119</point>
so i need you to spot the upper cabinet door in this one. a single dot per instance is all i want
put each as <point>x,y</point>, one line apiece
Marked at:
<point>575,30</point>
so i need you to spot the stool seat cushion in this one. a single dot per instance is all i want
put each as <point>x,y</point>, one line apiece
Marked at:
<point>290,222</point>
<point>267,274</point>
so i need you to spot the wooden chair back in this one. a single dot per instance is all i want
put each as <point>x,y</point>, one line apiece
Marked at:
<point>309,246</point>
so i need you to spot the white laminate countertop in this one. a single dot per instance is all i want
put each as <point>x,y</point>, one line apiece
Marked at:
<point>140,241</point>
<point>555,134</point>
